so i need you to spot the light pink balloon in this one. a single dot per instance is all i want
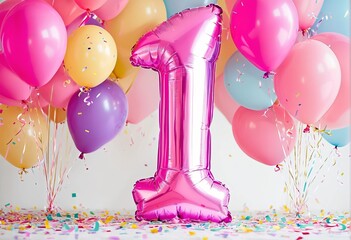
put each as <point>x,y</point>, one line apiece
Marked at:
<point>59,90</point>
<point>308,11</point>
<point>143,97</point>
<point>11,85</point>
<point>338,115</point>
<point>224,102</point>
<point>264,31</point>
<point>68,9</point>
<point>268,136</point>
<point>110,9</point>
<point>308,81</point>
<point>34,40</point>
<point>183,50</point>
<point>90,4</point>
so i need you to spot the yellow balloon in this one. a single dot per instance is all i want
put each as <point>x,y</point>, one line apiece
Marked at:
<point>136,19</point>
<point>23,136</point>
<point>90,56</point>
<point>57,115</point>
<point>227,46</point>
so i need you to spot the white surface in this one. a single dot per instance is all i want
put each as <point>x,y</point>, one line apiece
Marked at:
<point>132,155</point>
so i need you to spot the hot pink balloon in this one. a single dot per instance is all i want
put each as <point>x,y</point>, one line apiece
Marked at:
<point>10,102</point>
<point>224,102</point>
<point>143,97</point>
<point>268,136</point>
<point>338,115</point>
<point>11,86</point>
<point>59,90</point>
<point>264,31</point>
<point>34,40</point>
<point>68,9</point>
<point>6,6</point>
<point>110,9</point>
<point>308,81</point>
<point>183,50</point>
<point>308,11</point>
<point>90,4</point>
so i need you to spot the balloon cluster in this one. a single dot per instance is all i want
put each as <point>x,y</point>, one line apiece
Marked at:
<point>305,69</point>
<point>66,67</point>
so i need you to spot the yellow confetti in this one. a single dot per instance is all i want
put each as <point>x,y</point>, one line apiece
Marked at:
<point>29,217</point>
<point>134,226</point>
<point>9,227</point>
<point>108,219</point>
<point>125,132</point>
<point>192,233</point>
<point>286,209</point>
<point>260,221</point>
<point>289,222</point>
<point>123,224</point>
<point>17,208</point>
<point>47,224</point>
<point>154,230</point>
<point>270,206</point>
<point>322,213</point>
<point>344,221</point>
<point>74,207</point>
<point>85,214</point>
<point>21,228</point>
<point>205,238</point>
<point>243,217</point>
<point>276,227</point>
<point>245,229</point>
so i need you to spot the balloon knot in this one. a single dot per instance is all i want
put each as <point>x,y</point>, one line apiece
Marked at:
<point>307,129</point>
<point>277,168</point>
<point>81,156</point>
<point>266,75</point>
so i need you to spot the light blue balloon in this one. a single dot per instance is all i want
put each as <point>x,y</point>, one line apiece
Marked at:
<point>246,85</point>
<point>334,17</point>
<point>175,6</point>
<point>338,137</point>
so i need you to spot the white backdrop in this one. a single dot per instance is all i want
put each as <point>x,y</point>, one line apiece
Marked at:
<point>112,171</point>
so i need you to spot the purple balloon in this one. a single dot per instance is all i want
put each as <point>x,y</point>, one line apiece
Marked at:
<point>183,50</point>
<point>96,116</point>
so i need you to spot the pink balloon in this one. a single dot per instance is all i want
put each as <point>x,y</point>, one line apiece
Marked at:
<point>224,102</point>
<point>10,102</point>
<point>6,6</point>
<point>308,81</point>
<point>34,39</point>
<point>143,97</point>
<point>183,50</point>
<point>90,4</point>
<point>68,9</point>
<point>11,86</point>
<point>264,31</point>
<point>110,9</point>
<point>59,90</point>
<point>268,136</point>
<point>338,115</point>
<point>308,11</point>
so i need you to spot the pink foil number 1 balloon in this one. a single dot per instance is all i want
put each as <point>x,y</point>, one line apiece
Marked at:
<point>183,50</point>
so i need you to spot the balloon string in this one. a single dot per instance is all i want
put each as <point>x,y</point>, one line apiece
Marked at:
<point>21,120</point>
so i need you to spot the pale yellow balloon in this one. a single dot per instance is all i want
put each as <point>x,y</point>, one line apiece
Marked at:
<point>136,19</point>
<point>23,136</point>
<point>227,46</point>
<point>57,115</point>
<point>90,56</point>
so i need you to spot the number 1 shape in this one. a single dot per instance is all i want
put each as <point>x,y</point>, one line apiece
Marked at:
<point>183,50</point>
